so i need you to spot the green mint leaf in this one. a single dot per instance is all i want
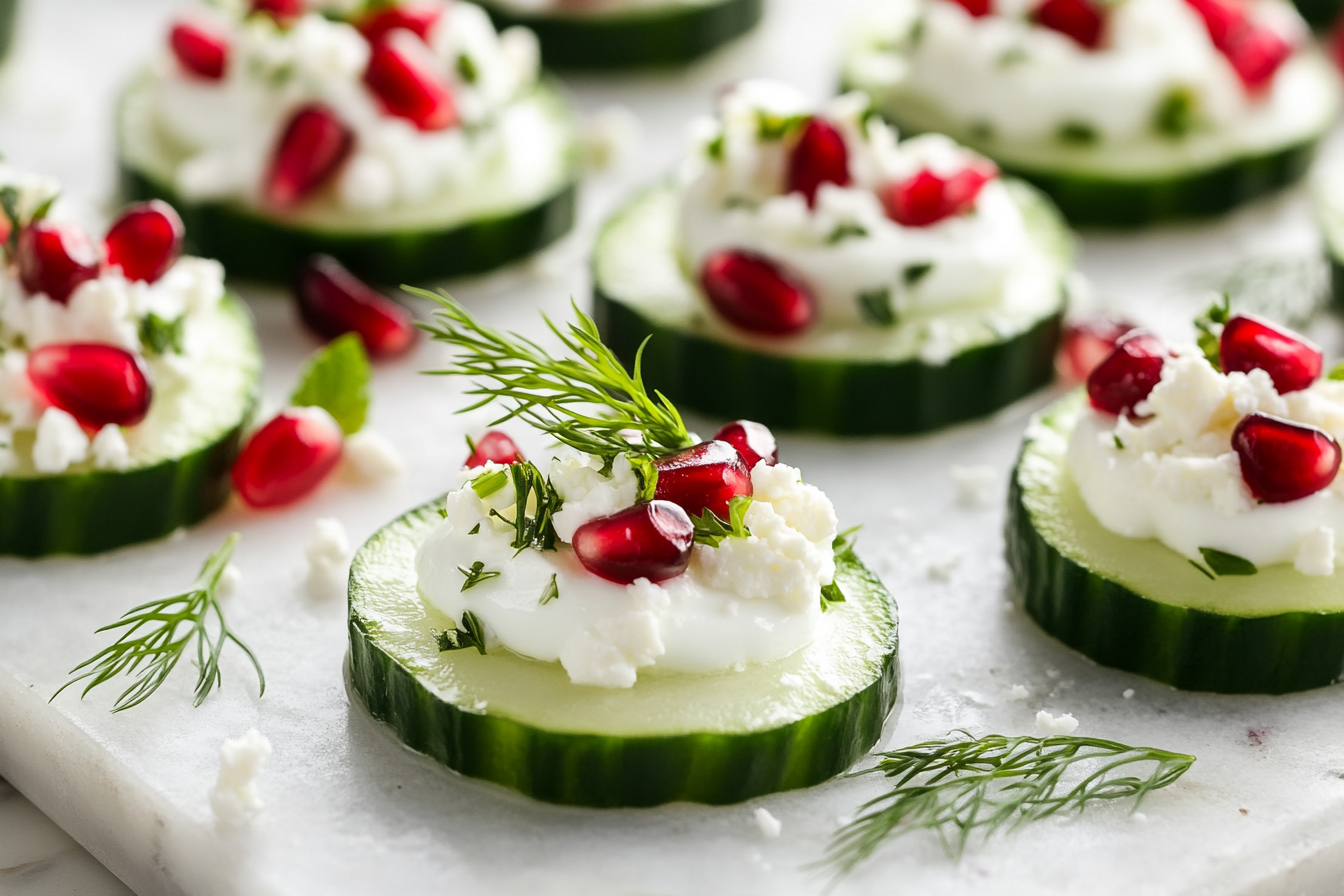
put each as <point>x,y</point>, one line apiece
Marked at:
<point>843,545</point>
<point>160,336</point>
<point>466,69</point>
<point>337,380</point>
<point>844,232</point>
<point>477,574</point>
<point>831,594</point>
<point>469,633</point>
<point>1209,330</point>
<point>1077,133</point>
<point>487,484</point>
<point>1177,113</point>
<point>550,592</point>
<point>737,515</point>
<point>1224,564</point>
<point>1336,372</point>
<point>711,529</point>
<point>44,209</point>
<point>647,474</point>
<point>875,307</point>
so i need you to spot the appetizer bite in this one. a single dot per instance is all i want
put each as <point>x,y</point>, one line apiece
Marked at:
<point>127,376</point>
<point>625,34</point>
<point>1125,113</point>
<point>1177,517</point>
<point>631,617</point>
<point>409,140</point>
<point>809,271</point>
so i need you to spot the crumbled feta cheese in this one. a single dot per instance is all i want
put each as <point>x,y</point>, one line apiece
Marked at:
<point>940,569</point>
<point>372,456</point>
<point>1316,556</point>
<point>608,653</point>
<point>611,137</point>
<point>234,797</point>
<point>1128,694</point>
<point>977,486</point>
<point>1055,725</point>
<point>769,825</point>
<point>109,448</point>
<point>229,580</point>
<point>586,492</point>
<point>18,401</point>
<point>60,442</point>
<point>1018,692</point>
<point>328,555</point>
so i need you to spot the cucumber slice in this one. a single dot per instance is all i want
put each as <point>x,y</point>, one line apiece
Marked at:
<point>856,382</point>
<point>1133,184</point>
<point>500,218</point>
<point>716,738</point>
<point>181,456</point>
<point>646,36</point>
<point>1137,605</point>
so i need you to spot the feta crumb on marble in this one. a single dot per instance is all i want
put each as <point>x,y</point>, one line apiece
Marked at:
<point>940,570</point>
<point>229,580</point>
<point>977,485</point>
<point>373,457</point>
<point>109,448</point>
<point>1048,725</point>
<point>1018,692</point>
<point>769,825</point>
<point>1128,694</point>
<point>234,797</point>
<point>60,442</point>
<point>328,554</point>
<point>1316,553</point>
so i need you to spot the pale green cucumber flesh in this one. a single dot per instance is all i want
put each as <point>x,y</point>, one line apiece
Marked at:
<point>709,738</point>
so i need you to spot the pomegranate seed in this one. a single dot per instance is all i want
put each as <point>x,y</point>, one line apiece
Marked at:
<point>201,50</point>
<point>493,447</point>
<point>754,294</point>
<point>976,8</point>
<point>752,440</point>
<point>1254,51</point>
<point>1283,461</point>
<point>417,18</point>
<point>288,457</point>
<point>145,241</point>
<point>648,541</point>
<point>819,157</point>
<point>1086,343</point>
<point>1223,20</point>
<point>55,258</point>
<point>1081,20</point>
<point>283,11</point>
<point>333,301</point>
<point>403,78</point>
<point>927,198</point>
<point>312,148</point>
<point>1127,376</point>
<point>704,477</point>
<point>1249,342</point>
<point>95,383</point>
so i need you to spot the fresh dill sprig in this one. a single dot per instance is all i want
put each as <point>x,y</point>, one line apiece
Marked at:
<point>157,635</point>
<point>960,785</point>
<point>477,574</point>
<point>535,503</point>
<point>586,400</point>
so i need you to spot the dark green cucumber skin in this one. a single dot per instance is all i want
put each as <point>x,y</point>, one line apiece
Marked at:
<point>605,771</point>
<point>9,14</point>
<point>838,396</point>
<point>256,248</point>
<point>1320,14</point>
<point>1190,649</point>
<point>1337,284</point>
<point>646,39</point>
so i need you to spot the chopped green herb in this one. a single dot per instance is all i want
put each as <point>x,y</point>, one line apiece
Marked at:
<point>474,529</point>
<point>714,148</point>
<point>914,273</point>
<point>1336,372</point>
<point>831,594</point>
<point>9,204</point>
<point>550,592</point>
<point>486,484</point>
<point>1118,444</point>
<point>1202,571</point>
<point>469,633</point>
<point>1210,328</point>
<point>915,35</point>
<point>1221,563</point>
<point>159,336</point>
<point>771,127</point>
<point>466,69</point>
<point>1177,113</point>
<point>1013,56</point>
<point>844,232</point>
<point>530,487</point>
<point>711,530</point>
<point>477,574</point>
<point>1077,133</point>
<point>980,131</point>
<point>875,307</point>
<point>337,380</point>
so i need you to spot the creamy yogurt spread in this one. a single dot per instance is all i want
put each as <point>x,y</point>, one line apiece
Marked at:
<point>853,257</point>
<point>750,600</point>
<point>1171,472</point>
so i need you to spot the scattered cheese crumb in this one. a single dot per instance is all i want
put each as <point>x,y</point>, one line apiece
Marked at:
<point>328,560</point>
<point>1061,724</point>
<point>229,580</point>
<point>1139,817</point>
<point>940,570</point>
<point>373,457</point>
<point>60,442</point>
<point>977,486</point>
<point>234,797</point>
<point>770,825</point>
<point>611,137</point>
<point>1128,694</point>
<point>1316,554</point>
<point>1018,692</point>
<point>110,451</point>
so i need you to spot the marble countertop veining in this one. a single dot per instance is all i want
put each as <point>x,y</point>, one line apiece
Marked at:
<point>37,858</point>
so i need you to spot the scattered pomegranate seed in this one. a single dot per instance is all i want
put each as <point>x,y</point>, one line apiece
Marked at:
<point>704,477</point>
<point>1081,20</point>
<point>648,541</point>
<point>333,301</point>
<point>201,50</point>
<point>754,294</point>
<point>288,457</point>
<point>1086,343</point>
<point>819,157</point>
<point>54,258</point>
<point>926,198</point>
<point>312,148</point>
<point>283,11</point>
<point>1250,342</point>
<point>145,241</point>
<point>95,383</point>
<point>976,8</point>
<point>1283,461</point>
<point>493,447</point>
<point>401,74</point>
<point>752,440</point>
<point>1127,376</point>
<point>1254,51</point>
<point>417,18</point>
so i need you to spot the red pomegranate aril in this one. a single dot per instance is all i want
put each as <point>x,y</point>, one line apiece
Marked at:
<point>755,295</point>
<point>704,477</point>
<point>1086,342</point>
<point>926,198</point>
<point>201,50</point>
<point>288,457</point>
<point>1128,374</point>
<point>417,18</point>
<point>819,157</point>
<point>283,11</point>
<point>1249,342</point>
<point>648,541</point>
<point>312,148</point>
<point>1254,51</point>
<point>1222,19</point>
<point>1081,20</point>
<point>54,258</point>
<point>976,8</point>
<point>332,301</point>
<point>493,447</point>
<point>1284,461</point>
<point>145,241</point>
<point>401,74</point>
<point>754,441</point>
<point>95,383</point>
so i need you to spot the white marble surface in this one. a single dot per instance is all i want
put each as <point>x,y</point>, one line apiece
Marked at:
<point>349,811</point>
<point>37,858</point>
